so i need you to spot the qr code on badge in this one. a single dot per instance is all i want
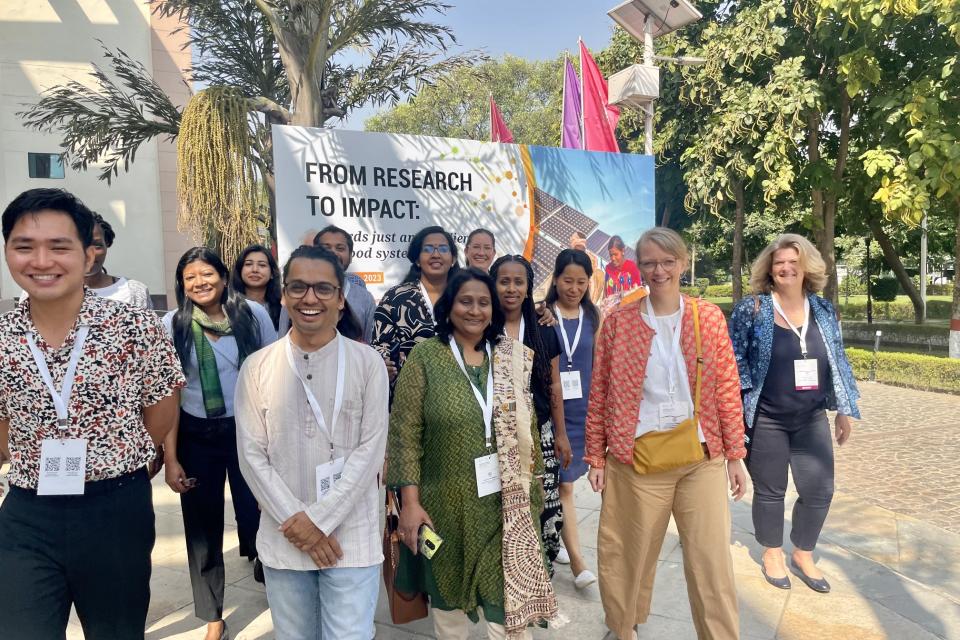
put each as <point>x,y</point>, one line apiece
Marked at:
<point>52,465</point>
<point>324,485</point>
<point>336,477</point>
<point>73,464</point>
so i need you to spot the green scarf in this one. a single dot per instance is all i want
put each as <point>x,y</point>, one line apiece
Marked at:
<point>213,402</point>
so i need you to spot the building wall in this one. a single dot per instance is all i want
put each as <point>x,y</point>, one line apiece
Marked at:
<point>44,43</point>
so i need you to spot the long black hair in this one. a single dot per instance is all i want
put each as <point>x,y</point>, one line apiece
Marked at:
<point>442,309</point>
<point>416,247</point>
<point>246,327</point>
<point>272,295</point>
<point>347,325</point>
<point>566,258</point>
<point>542,367</point>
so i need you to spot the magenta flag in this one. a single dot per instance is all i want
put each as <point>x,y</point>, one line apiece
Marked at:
<point>570,137</point>
<point>599,118</point>
<point>499,132</point>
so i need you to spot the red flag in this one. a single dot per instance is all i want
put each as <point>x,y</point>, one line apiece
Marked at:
<point>599,118</point>
<point>499,132</point>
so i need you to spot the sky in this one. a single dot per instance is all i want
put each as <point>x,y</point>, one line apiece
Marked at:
<point>533,29</point>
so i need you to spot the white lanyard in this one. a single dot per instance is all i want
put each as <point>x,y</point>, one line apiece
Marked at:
<point>522,326</point>
<point>426,299</point>
<point>346,287</point>
<point>61,399</point>
<point>486,405</point>
<point>801,333</point>
<point>312,399</point>
<point>563,332</point>
<point>669,357</point>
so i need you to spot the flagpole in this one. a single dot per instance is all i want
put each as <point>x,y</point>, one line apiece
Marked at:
<point>583,128</point>
<point>490,105</point>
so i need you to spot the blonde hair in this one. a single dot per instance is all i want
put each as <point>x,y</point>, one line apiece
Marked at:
<point>668,240</point>
<point>814,268</point>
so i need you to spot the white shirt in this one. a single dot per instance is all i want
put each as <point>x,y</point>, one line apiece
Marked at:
<point>228,363</point>
<point>279,455</point>
<point>656,388</point>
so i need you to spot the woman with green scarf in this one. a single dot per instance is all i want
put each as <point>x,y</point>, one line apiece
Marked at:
<point>214,330</point>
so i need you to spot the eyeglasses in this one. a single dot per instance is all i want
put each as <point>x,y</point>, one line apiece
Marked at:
<point>323,290</point>
<point>442,249</point>
<point>651,265</point>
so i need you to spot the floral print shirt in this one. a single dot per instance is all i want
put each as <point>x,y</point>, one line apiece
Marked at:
<point>402,320</point>
<point>127,363</point>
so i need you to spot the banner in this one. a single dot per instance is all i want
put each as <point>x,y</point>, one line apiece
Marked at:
<point>383,188</point>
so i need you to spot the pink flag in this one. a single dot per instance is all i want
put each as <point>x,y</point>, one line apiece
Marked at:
<point>599,118</point>
<point>499,132</point>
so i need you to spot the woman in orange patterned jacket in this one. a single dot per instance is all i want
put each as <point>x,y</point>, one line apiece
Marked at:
<point>664,435</point>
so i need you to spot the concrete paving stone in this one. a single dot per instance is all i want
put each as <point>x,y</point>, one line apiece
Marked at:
<point>814,616</point>
<point>866,529</point>
<point>936,614</point>
<point>930,555</point>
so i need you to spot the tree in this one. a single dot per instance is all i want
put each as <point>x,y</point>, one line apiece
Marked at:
<point>529,95</point>
<point>284,57</point>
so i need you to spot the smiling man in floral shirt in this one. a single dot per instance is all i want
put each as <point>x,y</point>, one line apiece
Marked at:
<point>87,387</point>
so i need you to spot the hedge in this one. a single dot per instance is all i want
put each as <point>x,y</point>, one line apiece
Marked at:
<point>898,310</point>
<point>929,373</point>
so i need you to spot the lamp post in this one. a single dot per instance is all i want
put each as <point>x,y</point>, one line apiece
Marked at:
<point>638,86</point>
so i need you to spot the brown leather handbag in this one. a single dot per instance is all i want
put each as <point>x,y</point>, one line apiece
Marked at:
<point>404,607</point>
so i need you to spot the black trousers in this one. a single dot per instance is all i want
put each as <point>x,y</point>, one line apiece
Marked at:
<point>91,551</point>
<point>804,444</point>
<point>207,450</point>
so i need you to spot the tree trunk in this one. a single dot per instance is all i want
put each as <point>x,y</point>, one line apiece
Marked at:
<point>955,311</point>
<point>813,155</point>
<point>738,222</point>
<point>665,218</point>
<point>893,259</point>
<point>827,250</point>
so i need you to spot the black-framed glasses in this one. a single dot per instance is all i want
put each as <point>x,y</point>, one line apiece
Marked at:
<point>442,249</point>
<point>323,290</point>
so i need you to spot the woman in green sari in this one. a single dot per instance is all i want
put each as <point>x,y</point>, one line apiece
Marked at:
<point>464,453</point>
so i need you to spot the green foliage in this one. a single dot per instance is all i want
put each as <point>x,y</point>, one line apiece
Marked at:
<point>911,370</point>
<point>940,290</point>
<point>885,289</point>
<point>528,93</point>
<point>899,310</point>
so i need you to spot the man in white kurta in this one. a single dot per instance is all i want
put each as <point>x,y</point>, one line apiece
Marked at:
<point>311,414</point>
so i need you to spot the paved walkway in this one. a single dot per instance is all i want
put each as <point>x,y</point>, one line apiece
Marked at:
<point>895,573</point>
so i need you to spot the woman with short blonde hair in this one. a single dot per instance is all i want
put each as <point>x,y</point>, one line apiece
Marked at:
<point>792,368</point>
<point>814,268</point>
<point>664,436</point>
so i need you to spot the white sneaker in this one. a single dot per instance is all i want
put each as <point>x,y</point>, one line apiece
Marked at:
<point>563,557</point>
<point>585,579</point>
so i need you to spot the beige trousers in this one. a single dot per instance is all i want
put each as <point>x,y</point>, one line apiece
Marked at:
<point>633,521</point>
<point>455,625</point>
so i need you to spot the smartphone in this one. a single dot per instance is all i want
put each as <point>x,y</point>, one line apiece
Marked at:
<point>428,541</point>
<point>190,483</point>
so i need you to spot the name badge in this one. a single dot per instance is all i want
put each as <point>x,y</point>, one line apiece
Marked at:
<point>328,474</point>
<point>570,381</point>
<point>488,475</point>
<point>672,414</point>
<point>805,375</point>
<point>63,467</point>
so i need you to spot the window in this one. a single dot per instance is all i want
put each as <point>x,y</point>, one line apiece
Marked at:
<point>45,165</point>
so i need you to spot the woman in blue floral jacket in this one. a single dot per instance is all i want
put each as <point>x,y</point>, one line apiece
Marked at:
<point>792,366</point>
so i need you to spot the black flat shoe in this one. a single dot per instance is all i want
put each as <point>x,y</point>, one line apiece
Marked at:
<point>779,583</point>
<point>258,571</point>
<point>820,586</point>
<point>225,634</point>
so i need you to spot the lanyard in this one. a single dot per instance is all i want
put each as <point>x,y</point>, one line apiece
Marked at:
<point>486,405</point>
<point>522,327</point>
<point>670,357</point>
<point>426,300</point>
<point>312,399</point>
<point>346,287</point>
<point>801,333</point>
<point>60,398</point>
<point>563,332</point>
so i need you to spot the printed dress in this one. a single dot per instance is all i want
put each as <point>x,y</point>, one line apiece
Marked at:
<point>401,320</point>
<point>436,433</point>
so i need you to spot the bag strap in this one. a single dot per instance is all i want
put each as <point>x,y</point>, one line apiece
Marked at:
<point>696,334</point>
